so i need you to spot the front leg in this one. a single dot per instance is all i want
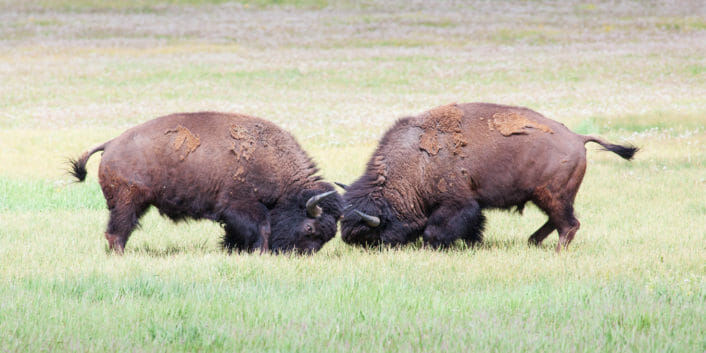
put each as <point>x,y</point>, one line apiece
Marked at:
<point>264,240</point>
<point>247,227</point>
<point>452,221</point>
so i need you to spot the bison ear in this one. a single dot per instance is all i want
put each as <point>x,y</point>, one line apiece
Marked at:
<point>313,209</point>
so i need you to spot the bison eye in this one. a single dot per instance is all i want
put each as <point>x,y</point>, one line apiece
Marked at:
<point>309,229</point>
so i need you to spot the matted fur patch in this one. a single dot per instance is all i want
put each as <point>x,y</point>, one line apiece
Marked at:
<point>509,123</point>
<point>443,120</point>
<point>184,137</point>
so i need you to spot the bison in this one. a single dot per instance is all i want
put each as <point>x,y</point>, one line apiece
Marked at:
<point>433,175</point>
<point>242,171</point>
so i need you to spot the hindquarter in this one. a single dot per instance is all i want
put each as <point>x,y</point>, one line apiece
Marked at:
<point>511,171</point>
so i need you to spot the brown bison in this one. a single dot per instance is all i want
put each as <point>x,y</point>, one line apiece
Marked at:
<point>433,174</point>
<point>244,172</point>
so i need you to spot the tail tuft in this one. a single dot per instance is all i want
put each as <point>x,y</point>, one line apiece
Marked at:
<point>78,168</point>
<point>627,151</point>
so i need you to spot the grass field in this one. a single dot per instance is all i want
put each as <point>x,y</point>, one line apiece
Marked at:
<point>336,74</point>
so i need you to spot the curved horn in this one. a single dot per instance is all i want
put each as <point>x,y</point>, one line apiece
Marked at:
<point>371,221</point>
<point>341,185</point>
<point>312,205</point>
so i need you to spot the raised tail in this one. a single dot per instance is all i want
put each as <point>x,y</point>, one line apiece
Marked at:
<point>78,166</point>
<point>626,151</point>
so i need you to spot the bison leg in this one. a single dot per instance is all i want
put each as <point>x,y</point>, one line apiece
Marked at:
<point>557,200</point>
<point>123,220</point>
<point>450,222</point>
<point>246,228</point>
<point>537,237</point>
<point>127,202</point>
<point>567,227</point>
<point>559,208</point>
<point>474,229</point>
<point>563,220</point>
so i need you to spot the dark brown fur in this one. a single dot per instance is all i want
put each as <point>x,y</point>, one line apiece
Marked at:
<point>433,174</point>
<point>243,172</point>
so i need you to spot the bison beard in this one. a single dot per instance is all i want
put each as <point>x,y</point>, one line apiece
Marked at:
<point>432,176</point>
<point>243,172</point>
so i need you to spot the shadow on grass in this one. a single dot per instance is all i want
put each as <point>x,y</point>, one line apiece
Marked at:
<point>461,246</point>
<point>511,244</point>
<point>517,244</point>
<point>169,249</point>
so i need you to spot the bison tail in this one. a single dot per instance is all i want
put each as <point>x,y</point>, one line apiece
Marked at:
<point>625,151</point>
<point>77,166</point>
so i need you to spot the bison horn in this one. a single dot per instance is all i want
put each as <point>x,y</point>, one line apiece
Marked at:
<point>312,205</point>
<point>371,221</point>
<point>341,185</point>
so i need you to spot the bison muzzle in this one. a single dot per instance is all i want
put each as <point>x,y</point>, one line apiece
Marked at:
<point>241,171</point>
<point>432,176</point>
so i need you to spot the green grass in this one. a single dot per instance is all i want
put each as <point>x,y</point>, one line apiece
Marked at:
<point>39,195</point>
<point>264,309</point>
<point>337,74</point>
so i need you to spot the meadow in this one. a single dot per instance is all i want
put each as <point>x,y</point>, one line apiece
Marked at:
<point>337,74</point>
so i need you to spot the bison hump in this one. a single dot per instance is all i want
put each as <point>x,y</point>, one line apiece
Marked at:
<point>442,129</point>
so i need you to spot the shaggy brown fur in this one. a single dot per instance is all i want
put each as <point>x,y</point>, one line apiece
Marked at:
<point>241,171</point>
<point>432,175</point>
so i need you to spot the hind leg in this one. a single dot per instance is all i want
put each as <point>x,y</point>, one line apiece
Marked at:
<point>453,221</point>
<point>123,220</point>
<point>559,208</point>
<point>556,199</point>
<point>538,236</point>
<point>567,226</point>
<point>127,202</point>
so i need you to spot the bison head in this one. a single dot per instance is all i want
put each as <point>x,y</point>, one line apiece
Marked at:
<point>305,222</point>
<point>369,220</point>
